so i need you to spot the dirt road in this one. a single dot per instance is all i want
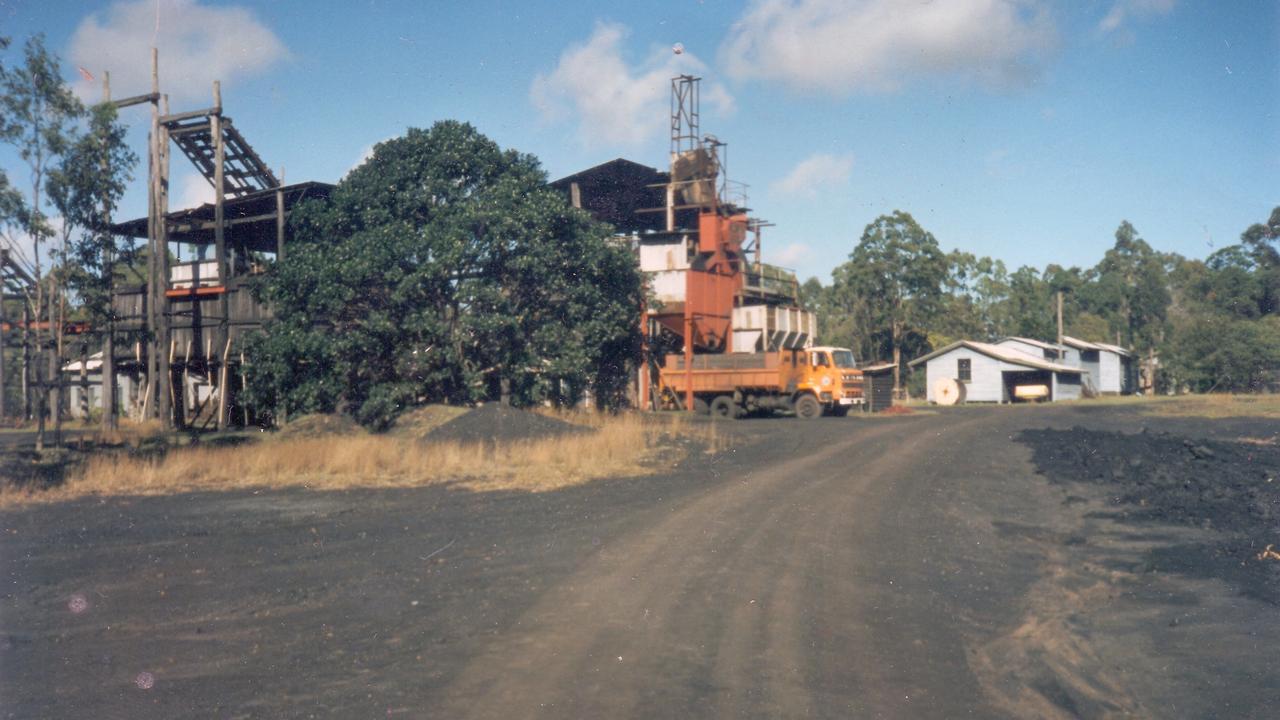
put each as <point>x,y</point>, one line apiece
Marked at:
<point>906,567</point>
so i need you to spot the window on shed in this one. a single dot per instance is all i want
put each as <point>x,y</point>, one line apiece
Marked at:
<point>964,369</point>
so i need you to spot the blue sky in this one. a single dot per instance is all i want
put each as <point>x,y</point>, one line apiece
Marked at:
<point>1021,129</point>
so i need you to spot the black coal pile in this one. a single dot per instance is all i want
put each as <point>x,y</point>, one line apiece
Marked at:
<point>495,423</point>
<point>1229,487</point>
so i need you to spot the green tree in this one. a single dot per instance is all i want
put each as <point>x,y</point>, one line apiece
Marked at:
<point>86,187</point>
<point>1130,289</point>
<point>1226,354</point>
<point>1263,242</point>
<point>444,269</point>
<point>897,271</point>
<point>38,115</point>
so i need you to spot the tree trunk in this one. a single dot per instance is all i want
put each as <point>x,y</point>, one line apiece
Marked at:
<point>54,365</point>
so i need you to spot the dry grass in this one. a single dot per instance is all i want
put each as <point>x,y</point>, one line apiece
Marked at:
<point>621,445</point>
<point>1215,406</point>
<point>129,432</point>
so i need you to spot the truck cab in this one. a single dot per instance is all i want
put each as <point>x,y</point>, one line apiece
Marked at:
<point>831,374</point>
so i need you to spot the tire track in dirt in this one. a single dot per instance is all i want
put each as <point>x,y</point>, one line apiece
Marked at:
<point>711,613</point>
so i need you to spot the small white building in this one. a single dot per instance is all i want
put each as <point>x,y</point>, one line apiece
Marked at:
<point>93,377</point>
<point>991,373</point>
<point>1109,369</point>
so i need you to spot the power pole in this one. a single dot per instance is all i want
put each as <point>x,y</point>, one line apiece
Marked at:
<point>1059,323</point>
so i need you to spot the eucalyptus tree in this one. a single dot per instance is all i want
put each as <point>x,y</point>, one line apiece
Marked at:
<point>86,188</point>
<point>38,117</point>
<point>897,271</point>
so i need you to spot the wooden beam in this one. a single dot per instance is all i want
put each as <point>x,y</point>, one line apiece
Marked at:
<point>179,117</point>
<point>154,221</point>
<point>220,242</point>
<point>137,100</point>
<point>4,259</point>
<point>280,218</point>
<point>165,397</point>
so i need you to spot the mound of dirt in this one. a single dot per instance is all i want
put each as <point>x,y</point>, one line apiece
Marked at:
<point>320,425</point>
<point>421,421</point>
<point>1229,487</point>
<point>494,423</point>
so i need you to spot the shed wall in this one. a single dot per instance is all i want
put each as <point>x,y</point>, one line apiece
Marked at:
<point>1066,386</point>
<point>1109,373</point>
<point>986,384</point>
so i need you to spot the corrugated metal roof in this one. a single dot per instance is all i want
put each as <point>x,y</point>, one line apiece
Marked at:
<point>1029,341</point>
<point>1009,355</point>
<point>1085,345</point>
<point>1114,348</point>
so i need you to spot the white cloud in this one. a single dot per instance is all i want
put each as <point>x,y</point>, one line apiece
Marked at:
<point>197,45</point>
<point>792,254</point>
<point>844,46</point>
<point>617,103</point>
<point>1124,10</point>
<point>193,190</point>
<point>815,171</point>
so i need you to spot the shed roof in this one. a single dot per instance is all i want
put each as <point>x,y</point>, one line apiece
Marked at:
<point>253,214</point>
<point>1078,344</point>
<point>1085,345</point>
<point>1009,355</point>
<point>1114,348</point>
<point>1038,343</point>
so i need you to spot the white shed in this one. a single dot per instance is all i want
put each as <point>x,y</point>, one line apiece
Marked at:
<point>990,373</point>
<point>1109,369</point>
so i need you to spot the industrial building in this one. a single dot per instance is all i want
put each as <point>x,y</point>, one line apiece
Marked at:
<point>698,246</point>
<point>989,373</point>
<point>176,343</point>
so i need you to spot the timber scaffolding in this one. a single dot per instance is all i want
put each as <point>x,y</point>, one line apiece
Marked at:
<point>181,331</point>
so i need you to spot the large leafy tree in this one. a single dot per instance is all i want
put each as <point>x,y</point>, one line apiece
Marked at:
<point>445,269</point>
<point>896,273</point>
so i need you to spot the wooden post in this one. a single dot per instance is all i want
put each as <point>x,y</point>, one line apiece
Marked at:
<point>84,382</point>
<point>222,386</point>
<point>26,360</point>
<point>1059,324</point>
<point>185,382</point>
<point>4,260</point>
<point>153,250</point>
<point>244,386</point>
<point>280,218</point>
<point>165,397</point>
<point>109,339</point>
<point>220,242</point>
<point>688,349</point>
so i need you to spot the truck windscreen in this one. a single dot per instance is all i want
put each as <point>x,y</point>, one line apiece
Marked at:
<point>843,359</point>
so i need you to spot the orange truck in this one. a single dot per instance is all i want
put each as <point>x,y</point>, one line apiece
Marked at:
<point>807,381</point>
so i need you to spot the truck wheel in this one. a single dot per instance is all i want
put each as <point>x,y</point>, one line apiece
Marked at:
<point>840,411</point>
<point>807,407</point>
<point>700,406</point>
<point>724,407</point>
